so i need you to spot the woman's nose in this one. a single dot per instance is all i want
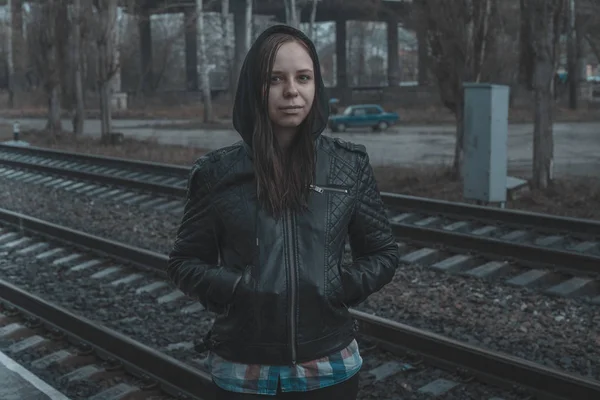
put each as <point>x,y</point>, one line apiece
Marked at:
<point>291,89</point>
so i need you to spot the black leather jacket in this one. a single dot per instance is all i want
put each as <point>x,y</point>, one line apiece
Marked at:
<point>296,291</point>
<point>279,287</point>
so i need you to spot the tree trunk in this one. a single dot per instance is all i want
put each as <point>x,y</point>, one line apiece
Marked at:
<point>543,142</point>
<point>206,100</point>
<point>104,93</point>
<point>580,53</point>
<point>288,13</point>
<point>52,78</point>
<point>9,55</point>
<point>460,36</point>
<point>423,56</point>
<point>62,46</point>
<point>105,113</point>
<point>292,13</point>
<point>542,16</point>
<point>459,154</point>
<point>54,124</point>
<point>105,39</point>
<point>572,67</point>
<point>18,54</point>
<point>227,50</point>
<point>313,16</point>
<point>78,118</point>
<point>526,55</point>
<point>248,22</point>
<point>361,50</point>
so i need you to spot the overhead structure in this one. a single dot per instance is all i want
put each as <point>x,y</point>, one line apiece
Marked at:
<point>338,11</point>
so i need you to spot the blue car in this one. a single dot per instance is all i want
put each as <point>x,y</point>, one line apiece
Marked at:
<point>361,116</point>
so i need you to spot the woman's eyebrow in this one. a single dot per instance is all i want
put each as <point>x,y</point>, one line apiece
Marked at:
<point>305,70</point>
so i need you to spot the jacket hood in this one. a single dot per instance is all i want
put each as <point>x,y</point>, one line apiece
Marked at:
<point>247,89</point>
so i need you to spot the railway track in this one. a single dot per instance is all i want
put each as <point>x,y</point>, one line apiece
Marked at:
<point>554,255</point>
<point>68,254</point>
<point>119,366</point>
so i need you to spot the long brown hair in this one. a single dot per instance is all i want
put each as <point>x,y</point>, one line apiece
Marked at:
<point>283,177</point>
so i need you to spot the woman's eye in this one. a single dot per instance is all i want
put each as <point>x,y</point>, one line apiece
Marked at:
<point>304,78</point>
<point>275,79</point>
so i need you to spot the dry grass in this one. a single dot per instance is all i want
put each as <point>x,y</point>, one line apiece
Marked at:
<point>145,150</point>
<point>575,196</point>
<point>150,112</point>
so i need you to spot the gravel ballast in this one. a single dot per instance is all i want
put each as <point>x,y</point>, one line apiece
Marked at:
<point>165,328</point>
<point>556,332</point>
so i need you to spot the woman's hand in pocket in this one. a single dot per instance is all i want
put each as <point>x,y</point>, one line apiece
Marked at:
<point>244,292</point>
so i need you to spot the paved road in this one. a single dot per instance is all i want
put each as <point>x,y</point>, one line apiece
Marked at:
<point>577,145</point>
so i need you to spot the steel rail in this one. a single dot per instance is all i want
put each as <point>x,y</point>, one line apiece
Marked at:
<point>146,166</point>
<point>172,191</point>
<point>479,361</point>
<point>563,259</point>
<point>491,214</point>
<point>174,376</point>
<point>392,200</point>
<point>483,363</point>
<point>139,257</point>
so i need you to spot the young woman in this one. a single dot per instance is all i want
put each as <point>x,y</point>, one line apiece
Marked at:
<point>262,238</point>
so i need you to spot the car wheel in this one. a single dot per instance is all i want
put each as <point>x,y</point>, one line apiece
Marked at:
<point>341,127</point>
<point>382,126</point>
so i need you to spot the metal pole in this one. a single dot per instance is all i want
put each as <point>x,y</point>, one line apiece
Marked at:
<point>16,130</point>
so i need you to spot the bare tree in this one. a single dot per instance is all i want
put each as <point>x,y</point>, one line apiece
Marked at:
<point>572,51</point>
<point>292,13</point>
<point>9,55</point>
<point>206,100</point>
<point>62,44</point>
<point>461,37</point>
<point>526,51</point>
<point>19,51</point>
<point>313,16</point>
<point>248,22</point>
<point>587,31</point>
<point>589,23</point>
<point>45,18</point>
<point>78,118</point>
<point>543,17</point>
<point>105,25</point>
<point>227,40</point>
<point>241,51</point>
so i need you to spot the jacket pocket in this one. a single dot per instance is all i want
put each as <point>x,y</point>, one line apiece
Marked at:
<point>238,312</point>
<point>244,291</point>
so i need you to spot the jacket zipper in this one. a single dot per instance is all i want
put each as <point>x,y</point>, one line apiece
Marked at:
<point>290,234</point>
<point>321,189</point>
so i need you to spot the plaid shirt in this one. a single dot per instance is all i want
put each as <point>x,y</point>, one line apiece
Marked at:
<point>263,379</point>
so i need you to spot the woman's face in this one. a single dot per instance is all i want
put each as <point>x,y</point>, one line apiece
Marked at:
<point>292,89</point>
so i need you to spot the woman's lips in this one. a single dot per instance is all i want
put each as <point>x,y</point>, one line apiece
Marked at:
<point>291,109</point>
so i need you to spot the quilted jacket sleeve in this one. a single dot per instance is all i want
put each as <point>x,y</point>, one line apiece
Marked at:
<point>374,250</point>
<point>193,262</point>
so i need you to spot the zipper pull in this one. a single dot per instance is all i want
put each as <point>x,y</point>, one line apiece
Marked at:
<point>316,188</point>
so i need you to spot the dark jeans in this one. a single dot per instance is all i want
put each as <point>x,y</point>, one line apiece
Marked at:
<point>347,390</point>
